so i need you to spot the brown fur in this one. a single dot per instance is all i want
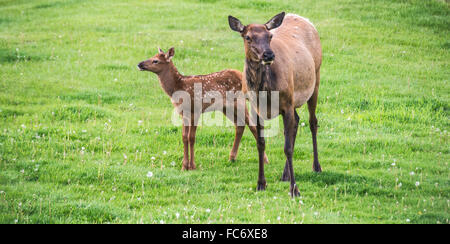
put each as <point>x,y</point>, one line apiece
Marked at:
<point>294,72</point>
<point>171,81</point>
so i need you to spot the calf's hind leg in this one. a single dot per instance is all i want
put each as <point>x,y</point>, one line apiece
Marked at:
<point>239,130</point>
<point>185,147</point>
<point>240,127</point>
<point>254,131</point>
<point>192,131</point>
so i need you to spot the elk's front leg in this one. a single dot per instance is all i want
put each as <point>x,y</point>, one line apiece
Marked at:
<point>286,174</point>
<point>186,147</point>
<point>290,127</point>
<point>261,144</point>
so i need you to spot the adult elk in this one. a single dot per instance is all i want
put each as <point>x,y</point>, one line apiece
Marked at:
<point>283,55</point>
<point>220,82</point>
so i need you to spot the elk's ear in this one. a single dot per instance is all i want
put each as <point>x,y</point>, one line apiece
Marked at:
<point>275,22</point>
<point>160,50</point>
<point>170,53</point>
<point>235,24</point>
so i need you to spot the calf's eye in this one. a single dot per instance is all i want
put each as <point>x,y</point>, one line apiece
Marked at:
<point>155,61</point>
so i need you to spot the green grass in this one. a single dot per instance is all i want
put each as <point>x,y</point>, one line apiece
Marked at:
<point>71,98</point>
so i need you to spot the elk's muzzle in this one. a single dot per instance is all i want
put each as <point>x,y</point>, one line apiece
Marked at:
<point>268,57</point>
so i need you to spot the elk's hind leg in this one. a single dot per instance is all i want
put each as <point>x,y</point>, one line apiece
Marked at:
<point>312,104</point>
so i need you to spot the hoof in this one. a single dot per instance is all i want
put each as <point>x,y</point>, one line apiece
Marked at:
<point>261,186</point>
<point>294,191</point>
<point>232,159</point>
<point>185,165</point>
<point>192,166</point>
<point>188,167</point>
<point>317,168</point>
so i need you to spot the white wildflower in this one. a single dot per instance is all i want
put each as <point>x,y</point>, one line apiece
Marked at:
<point>149,174</point>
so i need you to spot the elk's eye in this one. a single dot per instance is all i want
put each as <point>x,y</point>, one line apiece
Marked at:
<point>155,61</point>
<point>247,38</point>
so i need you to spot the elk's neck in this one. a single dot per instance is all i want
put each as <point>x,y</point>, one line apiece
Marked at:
<point>259,77</point>
<point>170,79</point>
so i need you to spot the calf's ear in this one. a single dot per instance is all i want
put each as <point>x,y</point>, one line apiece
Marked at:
<point>235,24</point>
<point>160,50</point>
<point>275,22</point>
<point>170,53</point>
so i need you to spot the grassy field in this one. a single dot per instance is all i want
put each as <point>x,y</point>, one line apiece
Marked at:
<point>80,127</point>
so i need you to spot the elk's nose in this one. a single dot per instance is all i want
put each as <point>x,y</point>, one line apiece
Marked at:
<point>141,65</point>
<point>268,56</point>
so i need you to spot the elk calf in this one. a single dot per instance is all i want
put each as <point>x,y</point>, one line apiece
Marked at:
<point>223,81</point>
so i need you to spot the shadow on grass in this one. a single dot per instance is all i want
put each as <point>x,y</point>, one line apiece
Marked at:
<point>347,184</point>
<point>331,178</point>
